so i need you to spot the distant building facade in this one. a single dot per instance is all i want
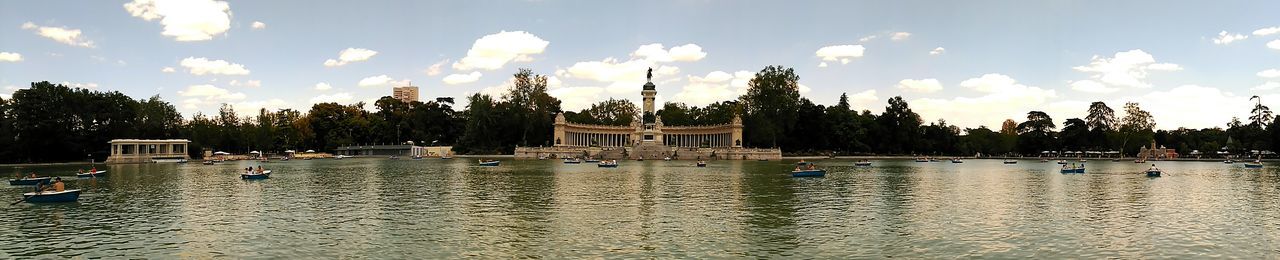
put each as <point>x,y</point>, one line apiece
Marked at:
<point>647,138</point>
<point>147,150</point>
<point>405,150</point>
<point>405,93</point>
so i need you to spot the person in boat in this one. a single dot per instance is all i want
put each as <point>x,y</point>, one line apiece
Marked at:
<point>812,167</point>
<point>94,169</point>
<point>259,169</point>
<point>81,171</point>
<point>57,185</point>
<point>1153,168</point>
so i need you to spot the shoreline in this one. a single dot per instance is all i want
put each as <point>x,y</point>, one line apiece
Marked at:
<point>47,164</point>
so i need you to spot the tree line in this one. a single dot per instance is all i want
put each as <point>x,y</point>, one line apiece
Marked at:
<point>52,123</point>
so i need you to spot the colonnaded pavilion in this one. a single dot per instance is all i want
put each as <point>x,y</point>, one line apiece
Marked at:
<point>648,138</point>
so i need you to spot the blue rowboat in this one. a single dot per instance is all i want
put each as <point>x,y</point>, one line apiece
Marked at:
<point>572,161</point>
<point>809,173</point>
<point>1153,173</point>
<point>702,164</point>
<point>862,164</point>
<point>591,161</point>
<point>91,174</point>
<point>1073,170</point>
<point>52,196</point>
<point>256,176</point>
<point>490,163</point>
<point>1253,165</point>
<point>29,181</point>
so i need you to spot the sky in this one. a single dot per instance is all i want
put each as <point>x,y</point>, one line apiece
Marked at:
<point>1190,64</point>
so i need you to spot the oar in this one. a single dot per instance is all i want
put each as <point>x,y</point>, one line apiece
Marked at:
<point>19,201</point>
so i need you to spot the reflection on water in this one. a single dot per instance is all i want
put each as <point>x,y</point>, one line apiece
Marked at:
<point>426,209</point>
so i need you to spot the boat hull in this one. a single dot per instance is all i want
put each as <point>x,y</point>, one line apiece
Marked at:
<point>25,181</point>
<point>91,174</point>
<point>255,176</point>
<point>52,197</point>
<point>1153,173</point>
<point>862,164</point>
<point>607,165</point>
<point>809,173</point>
<point>1253,166</point>
<point>702,165</point>
<point>490,164</point>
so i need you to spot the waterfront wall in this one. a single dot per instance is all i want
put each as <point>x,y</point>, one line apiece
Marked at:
<point>679,153</point>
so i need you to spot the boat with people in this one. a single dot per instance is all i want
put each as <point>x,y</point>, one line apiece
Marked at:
<point>207,162</point>
<point>956,160</point>
<point>1010,161</point>
<point>702,163</point>
<point>863,163</point>
<point>608,164</point>
<point>1153,171</point>
<point>922,159</point>
<point>572,161</point>
<point>51,196</point>
<point>1044,160</point>
<point>91,174</point>
<point>808,170</point>
<point>30,181</point>
<point>491,163</point>
<point>254,175</point>
<point>1228,161</point>
<point>589,160</point>
<point>393,157</point>
<point>1139,161</point>
<point>666,158</point>
<point>417,157</point>
<point>1062,162</point>
<point>1073,168</point>
<point>1253,165</point>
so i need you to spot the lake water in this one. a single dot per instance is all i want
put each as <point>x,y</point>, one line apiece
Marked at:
<point>430,209</point>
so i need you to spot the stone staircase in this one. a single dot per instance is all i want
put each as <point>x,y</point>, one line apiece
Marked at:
<point>648,151</point>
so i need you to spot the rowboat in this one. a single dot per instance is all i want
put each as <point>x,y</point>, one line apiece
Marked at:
<point>91,174</point>
<point>1077,169</point>
<point>702,164</point>
<point>862,163</point>
<point>52,196</point>
<point>29,181</point>
<point>572,161</point>
<point>591,161</point>
<point>809,173</point>
<point>1228,161</point>
<point>608,164</point>
<point>1063,162</point>
<point>490,163</point>
<point>957,160</point>
<point>1253,165</point>
<point>208,163</point>
<point>922,159</point>
<point>1153,173</point>
<point>256,176</point>
<point>1010,161</point>
<point>666,158</point>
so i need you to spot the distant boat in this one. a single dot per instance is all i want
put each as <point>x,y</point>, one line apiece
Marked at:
<point>956,160</point>
<point>1082,160</point>
<point>489,163</point>
<point>393,157</point>
<point>922,159</point>
<point>1139,161</point>
<point>591,160</point>
<point>1253,165</point>
<point>666,158</point>
<point>256,176</point>
<point>91,174</point>
<point>1063,162</point>
<point>1044,160</point>
<point>52,196</point>
<point>810,171</point>
<point>1115,160</point>
<point>1010,161</point>
<point>862,163</point>
<point>702,164</point>
<point>1228,161</point>
<point>572,161</point>
<point>1075,169</point>
<point>446,157</point>
<point>29,181</point>
<point>207,163</point>
<point>417,157</point>
<point>608,164</point>
<point>182,161</point>
<point>340,157</point>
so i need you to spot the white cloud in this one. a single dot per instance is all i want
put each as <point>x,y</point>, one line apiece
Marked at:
<point>822,64</point>
<point>898,36</point>
<point>185,20</point>
<point>252,107</point>
<point>1270,85</point>
<point>1003,98</point>
<point>868,38</point>
<point>1125,69</point>
<point>167,70</point>
<point>454,79</point>
<point>1274,44</point>
<point>257,25</point>
<point>211,92</point>
<point>576,98</point>
<point>715,86</point>
<point>1225,38</point>
<point>840,53</point>
<point>656,53</point>
<point>380,80</point>
<point>10,56</point>
<point>89,85</point>
<point>1270,73</point>
<point>937,51</point>
<point>247,83</point>
<point>1092,87</point>
<point>60,34</point>
<point>1266,31</point>
<point>436,68</point>
<point>496,50</point>
<point>920,86</point>
<point>625,77</point>
<point>201,66</point>
<point>323,86</point>
<point>350,55</point>
<point>1191,106</point>
<point>866,99</point>
<point>340,98</point>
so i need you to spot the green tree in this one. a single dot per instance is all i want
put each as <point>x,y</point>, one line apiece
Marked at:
<point>771,101</point>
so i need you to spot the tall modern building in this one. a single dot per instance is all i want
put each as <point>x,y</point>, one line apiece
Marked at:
<point>405,93</point>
